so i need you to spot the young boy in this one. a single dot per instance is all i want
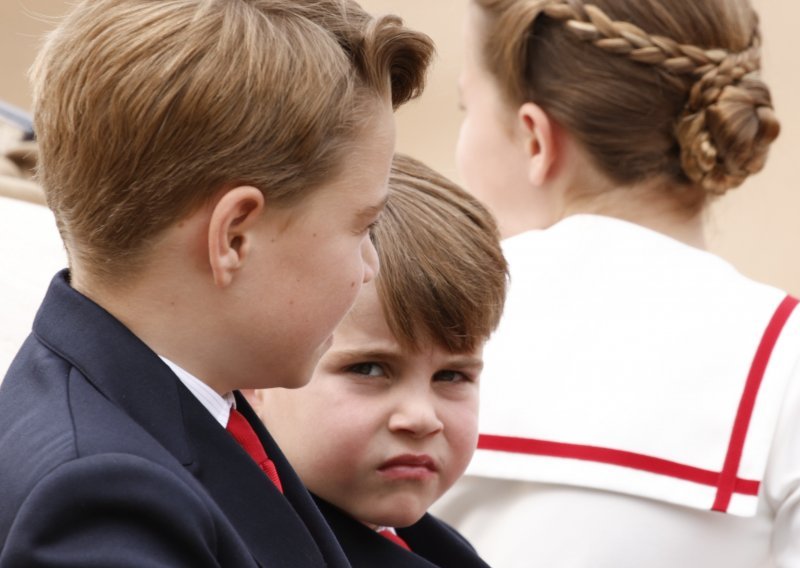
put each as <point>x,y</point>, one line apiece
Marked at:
<point>214,167</point>
<point>389,420</point>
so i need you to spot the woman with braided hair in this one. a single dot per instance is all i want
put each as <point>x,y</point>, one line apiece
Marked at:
<point>641,398</point>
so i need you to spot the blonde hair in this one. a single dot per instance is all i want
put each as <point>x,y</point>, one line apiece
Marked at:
<point>652,88</point>
<point>144,110</point>
<point>443,275</point>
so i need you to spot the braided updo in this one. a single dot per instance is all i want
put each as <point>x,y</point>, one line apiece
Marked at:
<point>652,88</point>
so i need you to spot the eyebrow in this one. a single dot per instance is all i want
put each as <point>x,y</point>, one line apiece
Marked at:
<point>458,362</point>
<point>368,354</point>
<point>372,210</point>
<point>471,362</point>
<point>466,363</point>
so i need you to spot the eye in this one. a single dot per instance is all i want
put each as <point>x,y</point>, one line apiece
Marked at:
<point>371,227</point>
<point>366,369</point>
<point>451,377</point>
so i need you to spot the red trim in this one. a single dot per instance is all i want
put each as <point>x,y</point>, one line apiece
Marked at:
<point>727,481</point>
<point>610,456</point>
<point>727,478</point>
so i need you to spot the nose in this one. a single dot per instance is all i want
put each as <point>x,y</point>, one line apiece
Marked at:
<point>371,262</point>
<point>415,415</point>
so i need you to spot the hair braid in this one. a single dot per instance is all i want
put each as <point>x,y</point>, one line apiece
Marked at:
<point>726,103</point>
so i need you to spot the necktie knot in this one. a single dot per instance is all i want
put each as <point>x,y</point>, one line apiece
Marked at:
<point>240,429</point>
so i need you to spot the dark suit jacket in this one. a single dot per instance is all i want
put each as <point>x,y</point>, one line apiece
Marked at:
<point>106,459</point>
<point>433,543</point>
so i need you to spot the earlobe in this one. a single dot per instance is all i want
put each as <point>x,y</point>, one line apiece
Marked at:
<point>540,142</point>
<point>230,231</point>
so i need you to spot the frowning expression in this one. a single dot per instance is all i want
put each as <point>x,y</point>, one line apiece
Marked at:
<point>380,432</point>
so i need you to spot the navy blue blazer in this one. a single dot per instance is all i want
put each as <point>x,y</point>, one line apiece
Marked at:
<point>433,543</point>
<point>106,459</point>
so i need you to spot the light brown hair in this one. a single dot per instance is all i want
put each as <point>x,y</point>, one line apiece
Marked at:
<point>145,109</point>
<point>443,275</point>
<point>654,89</point>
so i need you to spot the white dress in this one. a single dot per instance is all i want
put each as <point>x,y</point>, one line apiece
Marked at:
<point>640,408</point>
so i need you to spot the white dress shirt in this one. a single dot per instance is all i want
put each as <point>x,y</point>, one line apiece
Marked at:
<point>218,405</point>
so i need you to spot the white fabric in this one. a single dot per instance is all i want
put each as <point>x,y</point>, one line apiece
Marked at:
<point>31,252</point>
<point>379,529</point>
<point>618,337</point>
<point>218,405</point>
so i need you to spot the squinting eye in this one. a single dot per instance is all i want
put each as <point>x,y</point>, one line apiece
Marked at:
<point>451,377</point>
<point>367,369</point>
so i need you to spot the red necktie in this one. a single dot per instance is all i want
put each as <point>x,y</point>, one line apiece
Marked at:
<point>394,537</point>
<point>240,429</point>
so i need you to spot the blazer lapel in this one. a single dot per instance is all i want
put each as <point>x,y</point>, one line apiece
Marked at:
<point>295,492</point>
<point>280,531</point>
<point>441,544</point>
<point>115,361</point>
<point>364,547</point>
<point>264,518</point>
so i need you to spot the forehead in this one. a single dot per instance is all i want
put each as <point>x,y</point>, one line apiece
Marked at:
<point>365,329</point>
<point>365,322</point>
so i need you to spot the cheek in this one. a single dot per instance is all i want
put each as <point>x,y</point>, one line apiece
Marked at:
<point>477,159</point>
<point>338,451</point>
<point>334,432</point>
<point>465,152</point>
<point>335,275</point>
<point>461,423</point>
<point>349,265</point>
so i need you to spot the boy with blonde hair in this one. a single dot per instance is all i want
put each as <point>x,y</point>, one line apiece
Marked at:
<point>389,419</point>
<point>214,167</point>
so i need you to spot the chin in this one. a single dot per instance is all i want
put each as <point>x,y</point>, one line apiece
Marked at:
<point>399,515</point>
<point>299,377</point>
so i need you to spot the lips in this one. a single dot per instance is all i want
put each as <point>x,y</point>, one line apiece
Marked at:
<point>409,466</point>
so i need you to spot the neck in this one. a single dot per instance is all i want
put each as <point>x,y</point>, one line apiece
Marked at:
<point>649,207</point>
<point>162,313</point>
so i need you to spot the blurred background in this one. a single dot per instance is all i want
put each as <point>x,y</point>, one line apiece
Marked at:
<point>755,227</point>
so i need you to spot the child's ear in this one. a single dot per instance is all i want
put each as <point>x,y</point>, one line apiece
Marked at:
<point>230,231</point>
<point>540,142</point>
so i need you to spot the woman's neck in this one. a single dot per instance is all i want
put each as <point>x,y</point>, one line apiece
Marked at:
<point>651,207</point>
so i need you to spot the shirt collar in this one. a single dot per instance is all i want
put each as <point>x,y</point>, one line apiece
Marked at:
<point>218,405</point>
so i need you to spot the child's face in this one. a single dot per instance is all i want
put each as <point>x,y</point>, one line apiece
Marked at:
<point>314,258</point>
<point>379,432</point>
<point>490,153</point>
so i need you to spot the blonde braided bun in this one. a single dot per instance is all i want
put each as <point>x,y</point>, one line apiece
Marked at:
<point>703,59</point>
<point>728,125</point>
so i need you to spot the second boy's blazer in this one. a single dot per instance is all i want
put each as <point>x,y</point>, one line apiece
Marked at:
<point>106,459</point>
<point>433,543</point>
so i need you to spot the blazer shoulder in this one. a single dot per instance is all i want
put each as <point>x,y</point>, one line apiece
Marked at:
<point>37,431</point>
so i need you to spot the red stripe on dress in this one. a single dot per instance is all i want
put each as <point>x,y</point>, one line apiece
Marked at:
<point>730,469</point>
<point>613,457</point>
<point>727,481</point>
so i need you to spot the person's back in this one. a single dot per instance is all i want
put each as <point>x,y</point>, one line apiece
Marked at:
<point>641,396</point>
<point>197,156</point>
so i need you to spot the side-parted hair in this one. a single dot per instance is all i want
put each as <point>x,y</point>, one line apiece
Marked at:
<point>146,109</point>
<point>443,276</point>
<point>664,89</point>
